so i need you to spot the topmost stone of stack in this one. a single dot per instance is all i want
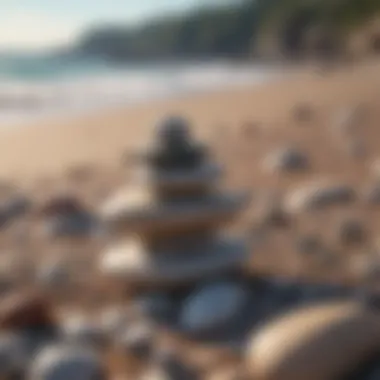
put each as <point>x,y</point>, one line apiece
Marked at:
<point>175,149</point>
<point>176,164</point>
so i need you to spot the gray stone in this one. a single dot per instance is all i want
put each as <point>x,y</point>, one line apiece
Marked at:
<point>319,195</point>
<point>77,225</point>
<point>351,231</point>
<point>12,208</point>
<point>312,293</point>
<point>130,262</point>
<point>13,355</point>
<point>287,159</point>
<point>138,208</point>
<point>62,362</point>
<point>213,307</point>
<point>194,178</point>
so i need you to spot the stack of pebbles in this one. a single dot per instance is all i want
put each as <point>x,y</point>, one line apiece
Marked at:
<point>168,244</point>
<point>187,275</point>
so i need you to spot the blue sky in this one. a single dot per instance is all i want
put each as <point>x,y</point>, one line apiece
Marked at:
<point>36,24</point>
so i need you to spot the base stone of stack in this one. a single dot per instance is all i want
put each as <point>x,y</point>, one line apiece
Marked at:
<point>129,262</point>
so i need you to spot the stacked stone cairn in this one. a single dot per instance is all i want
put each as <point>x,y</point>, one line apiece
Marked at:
<point>168,241</point>
<point>188,275</point>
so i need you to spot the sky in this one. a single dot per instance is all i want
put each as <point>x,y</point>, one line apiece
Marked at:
<point>40,24</point>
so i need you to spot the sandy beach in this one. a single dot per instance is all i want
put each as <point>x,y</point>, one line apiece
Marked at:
<point>311,112</point>
<point>49,147</point>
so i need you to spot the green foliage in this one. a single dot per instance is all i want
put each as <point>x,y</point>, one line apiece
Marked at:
<point>224,31</point>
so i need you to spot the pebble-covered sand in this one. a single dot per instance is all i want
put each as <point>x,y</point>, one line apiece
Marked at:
<point>307,149</point>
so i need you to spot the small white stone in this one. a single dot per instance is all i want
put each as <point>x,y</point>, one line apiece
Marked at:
<point>213,307</point>
<point>66,362</point>
<point>319,194</point>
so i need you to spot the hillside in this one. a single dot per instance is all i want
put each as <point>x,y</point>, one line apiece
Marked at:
<point>234,30</point>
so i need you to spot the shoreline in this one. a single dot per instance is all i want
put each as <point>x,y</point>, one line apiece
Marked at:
<point>43,100</point>
<point>100,138</point>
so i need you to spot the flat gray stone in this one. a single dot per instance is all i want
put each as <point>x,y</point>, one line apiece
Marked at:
<point>203,176</point>
<point>140,210</point>
<point>129,262</point>
<point>318,195</point>
<point>288,159</point>
<point>63,362</point>
<point>213,307</point>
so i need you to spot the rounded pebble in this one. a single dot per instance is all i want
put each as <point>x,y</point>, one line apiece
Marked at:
<point>63,362</point>
<point>213,307</point>
<point>287,160</point>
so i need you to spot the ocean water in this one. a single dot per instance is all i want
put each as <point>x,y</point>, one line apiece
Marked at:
<point>36,86</point>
